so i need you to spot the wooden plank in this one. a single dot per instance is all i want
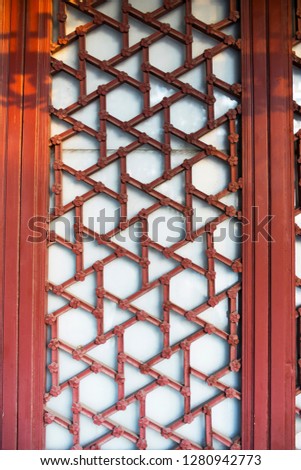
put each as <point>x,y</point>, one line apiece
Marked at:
<point>34,202</point>
<point>12,47</point>
<point>282,267</point>
<point>255,290</point>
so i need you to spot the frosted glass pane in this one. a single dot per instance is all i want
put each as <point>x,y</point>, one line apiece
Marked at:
<point>216,11</point>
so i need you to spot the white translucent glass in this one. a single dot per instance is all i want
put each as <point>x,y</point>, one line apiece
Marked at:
<point>223,103</point>
<point>232,30</point>
<point>109,176</point>
<point>89,430</point>
<point>106,353</point>
<point>96,209</point>
<point>146,5</point>
<point>225,417</point>
<point>69,55</point>
<point>194,431</point>
<point>98,400</point>
<point>122,277</point>
<point>151,302</point>
<point>218,138</point>
<point>157,442</point>
<point>171,405</point>
<point>188,289</point>
<point>203,213</point>
<point>210,175</point>
<point>134,380</point>
<point>143,341</point>
<point>137,200</point>
<point>195,251</point>
<point>55,302</point>
<point>117,138</point>
<point>69,366</point>
<point>159,90</point>
<point>128,418</point>
<point>297,124</point>
<point>172,367</point>
<point>132,66</point>
<point>138,31</point>
<point>216,11</point>
<point>166,54</point>
<point>188,114</point>
<point>58,438</point>
<point>71,327</point>
<point>104,42</point>
<point>65,90</point>
<point>227,238</point>
<point>159,265</point>
<point>174,189</point>
<point>217,316</point>
<point>232,379</point>
<point>121,443</point>
<point>124,102</point>
<point>75,18</point>
<point>166,226</point>
<point>225,277</point>
<point>201,392</point>
<point>88,115</point>
<point>209,354</point>
<point>176,19</point>
<point>73,188</point>
<point>145,164</point>
<point>180,328</point>
<point>94,252</point>
<point>85,290</point>
<point>129,238</point>
<point>96,77</point>
<point>113,315</point>
<point>153,127</point>
<point>226,66</point>
<point>297,85</point>
<point>61,264</point>
<point>81,141</point>
<point>63,226</point>
<point>62,404</point>
<point>111,8</point>
<point>201,42</point>
<point>196,78</point>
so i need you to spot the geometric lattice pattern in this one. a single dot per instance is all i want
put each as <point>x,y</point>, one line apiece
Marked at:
<point>297,140</point>
<point>169,374</point>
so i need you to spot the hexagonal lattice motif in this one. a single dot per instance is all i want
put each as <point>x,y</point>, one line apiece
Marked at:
<point>143,317</point>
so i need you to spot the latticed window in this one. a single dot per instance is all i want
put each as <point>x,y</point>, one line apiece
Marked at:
<point>143,302</point>
<point>150,239</point>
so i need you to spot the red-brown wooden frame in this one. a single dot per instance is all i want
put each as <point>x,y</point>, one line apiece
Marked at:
<point>268,292</point>
<point>268,279</point>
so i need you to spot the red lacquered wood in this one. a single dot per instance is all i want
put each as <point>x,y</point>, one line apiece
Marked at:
<point>11,69</point>
<point>282,267</point>
<point>34,202</point>
<point>255,292</point>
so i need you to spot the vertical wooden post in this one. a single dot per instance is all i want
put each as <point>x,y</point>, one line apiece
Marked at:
<point>282,264</point>
<point>12,15</point>
<point>255,291</point>
<point>34,202</point>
